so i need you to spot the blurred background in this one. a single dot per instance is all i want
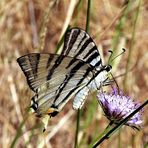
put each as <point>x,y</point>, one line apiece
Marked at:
<point>37,26</point>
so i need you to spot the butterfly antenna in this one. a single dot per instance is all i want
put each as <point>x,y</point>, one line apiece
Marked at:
<point>123,50</point>
<point>111,53</point>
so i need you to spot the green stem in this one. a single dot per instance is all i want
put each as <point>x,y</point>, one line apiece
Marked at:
<point>118,35</point>
<point>88,15</point>
<point>18,133</point>
<point>131,46</point>
<point>118,126</point>
<point>107,129</point>
<point>77,128</point>
<point>79,8</point>
<point>79,112</point>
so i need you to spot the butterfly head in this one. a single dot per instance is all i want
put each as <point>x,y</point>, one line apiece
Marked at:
<point>108,68</point>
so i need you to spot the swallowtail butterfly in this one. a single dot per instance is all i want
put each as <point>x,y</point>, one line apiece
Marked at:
<point>55,79</point>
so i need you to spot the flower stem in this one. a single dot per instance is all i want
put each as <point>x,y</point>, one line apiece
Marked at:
<point>77,128</point>
<point>79,112</point>
<point>103,133</point>
<point>114,129</point>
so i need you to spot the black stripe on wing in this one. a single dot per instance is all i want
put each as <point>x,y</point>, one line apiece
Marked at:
<point>78,44</point>
<point>40,68</point>
<point>71,74</point>
<point>57,63</point>
<point>29,65</point>
<point>36,68</point>
<point>64,84</point>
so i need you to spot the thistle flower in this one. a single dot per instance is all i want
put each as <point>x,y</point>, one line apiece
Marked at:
<point>116,107</point>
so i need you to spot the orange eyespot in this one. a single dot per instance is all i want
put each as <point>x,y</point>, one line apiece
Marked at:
<point>50,110</point>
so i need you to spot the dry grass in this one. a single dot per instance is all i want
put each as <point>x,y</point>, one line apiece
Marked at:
<point>26,27</point>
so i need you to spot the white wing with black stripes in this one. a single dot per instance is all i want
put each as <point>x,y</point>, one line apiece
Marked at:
<point>78,44</point>
<point>57,78</point>
<point>53,79</point>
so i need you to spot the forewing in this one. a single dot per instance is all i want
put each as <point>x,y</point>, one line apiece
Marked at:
<point>78,44</point>
<point>41,68</point>
<point>54,79</point>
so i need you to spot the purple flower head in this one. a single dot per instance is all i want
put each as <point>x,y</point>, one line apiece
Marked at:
<point>116,107</point>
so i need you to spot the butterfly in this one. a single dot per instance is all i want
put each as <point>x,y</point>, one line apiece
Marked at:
<point>55,79</point>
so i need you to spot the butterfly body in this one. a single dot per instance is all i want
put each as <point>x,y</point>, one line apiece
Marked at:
<point>55,79</point>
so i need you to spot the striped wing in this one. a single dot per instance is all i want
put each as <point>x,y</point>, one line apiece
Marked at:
<point>54,79</point>
<point>78,44</point>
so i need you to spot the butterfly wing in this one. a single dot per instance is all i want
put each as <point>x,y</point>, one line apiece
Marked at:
<point>78,44</point>
<point>54,79</point>
<point>51,76</point>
